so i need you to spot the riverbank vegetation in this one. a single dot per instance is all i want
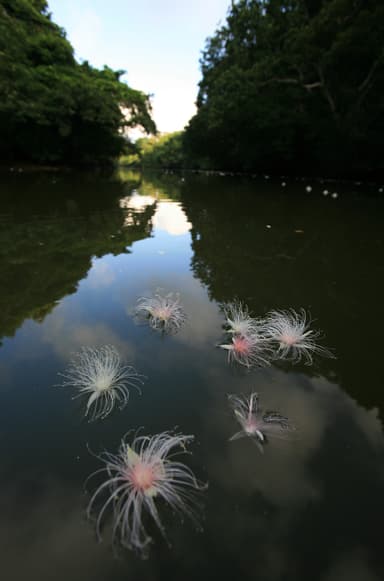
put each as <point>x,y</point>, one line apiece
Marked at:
<point>293,86</point>
<point>53,109</point>
<point>158,151</point>
<point>287,87</point>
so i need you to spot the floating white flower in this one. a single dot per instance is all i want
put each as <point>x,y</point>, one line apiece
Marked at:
<point>251,349</point>
<point>100,374</point>
<point>255,423</point>
<point>139,476</point>
<point>239,320</point>
<point>163,312</point>
<point>296,341</point>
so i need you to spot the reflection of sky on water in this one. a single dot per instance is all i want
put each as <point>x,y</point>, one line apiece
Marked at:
<point>171,218</point>
<point>136,201</point>
<point>101,310</point>
<point>320,411</point>
<point>305,498</point>
<point>272,507</point>
<point>308,508</point>
<point>101,275</point>
<point>56,540</point>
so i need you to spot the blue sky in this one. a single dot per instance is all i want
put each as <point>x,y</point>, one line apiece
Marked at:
<point>158,43</point>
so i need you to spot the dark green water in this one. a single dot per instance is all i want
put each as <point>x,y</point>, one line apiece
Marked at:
<point>76,253</point>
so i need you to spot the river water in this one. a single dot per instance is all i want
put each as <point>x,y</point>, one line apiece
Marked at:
<point>77,252</point>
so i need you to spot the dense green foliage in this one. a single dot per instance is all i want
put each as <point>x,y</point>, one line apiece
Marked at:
<point>53,109</point>
<point>293,85</point>
<point>158,151</point>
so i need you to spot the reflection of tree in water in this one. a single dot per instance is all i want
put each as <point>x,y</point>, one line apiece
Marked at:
<point>276,248</point>
<point>50,231</point>
<point>291,250</point>
<point>166,185</point>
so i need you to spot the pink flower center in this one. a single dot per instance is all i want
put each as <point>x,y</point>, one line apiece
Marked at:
<point>289,339</point>
<point>250,426</point>
<point>241,345</point>
<point>163,313</point>
<point>142,476</point>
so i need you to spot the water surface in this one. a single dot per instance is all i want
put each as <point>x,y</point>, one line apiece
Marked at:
<point>76,253</point>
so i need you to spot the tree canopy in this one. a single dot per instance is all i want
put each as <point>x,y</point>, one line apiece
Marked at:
<point>53,109</point>
<point>158,151</point>
<point>293,85</point>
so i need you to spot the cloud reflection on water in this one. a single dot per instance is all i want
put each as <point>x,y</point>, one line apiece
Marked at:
<point>317,408</point>
<point>308,508</point>
<point>50,531</point>
<point>171,218</point>
<point>322,480</point>
<point>66,333</point>
<point>101,275</point>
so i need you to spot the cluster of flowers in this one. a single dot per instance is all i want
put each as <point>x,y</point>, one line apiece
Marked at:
<point>144,470</point>
<point>279,335</point>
